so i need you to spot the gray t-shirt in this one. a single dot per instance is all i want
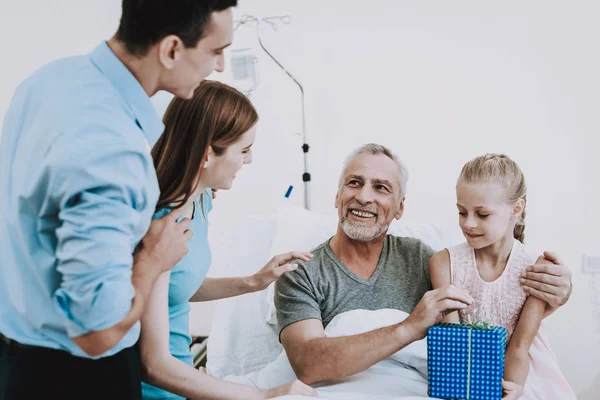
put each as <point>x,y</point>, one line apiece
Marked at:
<point>324,287</point>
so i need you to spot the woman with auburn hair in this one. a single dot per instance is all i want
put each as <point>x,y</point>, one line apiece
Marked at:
<point>206,142</point>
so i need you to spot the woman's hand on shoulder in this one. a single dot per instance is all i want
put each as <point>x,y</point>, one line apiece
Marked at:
<point>277,266</point>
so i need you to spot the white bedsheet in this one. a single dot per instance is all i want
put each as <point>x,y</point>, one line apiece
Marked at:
<point>403,375</point>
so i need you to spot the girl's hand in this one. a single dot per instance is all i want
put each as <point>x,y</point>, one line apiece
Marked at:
<point>512,391</point>
<point>276,267</point>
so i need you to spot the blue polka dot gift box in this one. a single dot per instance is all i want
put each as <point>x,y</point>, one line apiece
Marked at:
<point>466,361</point>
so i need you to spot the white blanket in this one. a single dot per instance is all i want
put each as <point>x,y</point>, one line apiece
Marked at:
<point>403,375</point>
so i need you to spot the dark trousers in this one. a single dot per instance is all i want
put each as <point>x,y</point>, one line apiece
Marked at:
<point>30,372</point>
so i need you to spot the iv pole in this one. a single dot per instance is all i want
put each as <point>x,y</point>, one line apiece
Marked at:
<point>286,19</point>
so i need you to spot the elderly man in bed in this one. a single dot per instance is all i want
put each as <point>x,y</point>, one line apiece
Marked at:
<point>362,267</point>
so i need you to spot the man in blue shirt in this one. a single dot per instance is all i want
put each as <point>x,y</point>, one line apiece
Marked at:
<point>78,190</point>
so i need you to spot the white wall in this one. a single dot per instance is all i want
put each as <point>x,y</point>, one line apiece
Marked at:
<point>442,82</point>
<point>439,82</point>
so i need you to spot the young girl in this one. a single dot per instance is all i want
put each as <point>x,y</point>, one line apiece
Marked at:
<point>491,198</point>
<point>206,141</point>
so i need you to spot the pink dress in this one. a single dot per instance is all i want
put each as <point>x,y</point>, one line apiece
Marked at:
<point>501,302</point>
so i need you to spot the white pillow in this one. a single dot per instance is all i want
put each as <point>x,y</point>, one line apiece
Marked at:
<point>240,341</point>
<point>303,230</point>
<point>297,229</point>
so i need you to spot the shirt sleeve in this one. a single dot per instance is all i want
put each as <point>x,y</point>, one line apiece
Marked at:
<point>295,298</point>
<point>102,189</point>
<point>426,254</point>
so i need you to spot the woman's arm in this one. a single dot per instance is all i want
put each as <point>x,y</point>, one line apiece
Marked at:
<point>221,288</point>
<point>163,370</point>
<point>439,269</point>
<point>516,362</point>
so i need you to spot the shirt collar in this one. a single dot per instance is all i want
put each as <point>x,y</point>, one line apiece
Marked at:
<point>131,90</point>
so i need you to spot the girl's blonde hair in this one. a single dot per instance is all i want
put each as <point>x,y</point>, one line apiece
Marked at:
<point>500,168</point>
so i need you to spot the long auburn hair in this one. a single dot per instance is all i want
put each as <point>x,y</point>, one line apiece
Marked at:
<point>217,116</point>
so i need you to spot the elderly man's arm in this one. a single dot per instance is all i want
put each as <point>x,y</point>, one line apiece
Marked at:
<point>316,358</point>
<point>549,280</point>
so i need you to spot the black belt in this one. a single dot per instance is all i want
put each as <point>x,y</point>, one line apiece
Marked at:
<point>16,345</point>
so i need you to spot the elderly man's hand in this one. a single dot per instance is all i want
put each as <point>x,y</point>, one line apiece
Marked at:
<point>549,280</point>
<point>432,308</point>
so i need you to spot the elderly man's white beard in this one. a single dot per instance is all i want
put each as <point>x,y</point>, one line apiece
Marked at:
<point>359,231</point>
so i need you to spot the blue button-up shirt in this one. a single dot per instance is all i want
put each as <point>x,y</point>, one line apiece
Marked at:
<point>77,193</point>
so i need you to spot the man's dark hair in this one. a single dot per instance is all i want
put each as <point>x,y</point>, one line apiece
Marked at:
<point>146,22</point>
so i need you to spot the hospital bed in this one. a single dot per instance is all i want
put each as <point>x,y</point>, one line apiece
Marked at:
<point>243,343</point>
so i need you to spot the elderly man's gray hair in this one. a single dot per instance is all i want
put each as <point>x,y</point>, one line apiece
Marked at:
<point>377,149</point>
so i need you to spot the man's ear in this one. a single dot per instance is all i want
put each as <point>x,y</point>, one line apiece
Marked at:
<point>337,199</point>
<point>169,51</point>
<point>398,215</point>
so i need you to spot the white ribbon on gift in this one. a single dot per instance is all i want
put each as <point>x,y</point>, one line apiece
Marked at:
<point>469,365</point>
